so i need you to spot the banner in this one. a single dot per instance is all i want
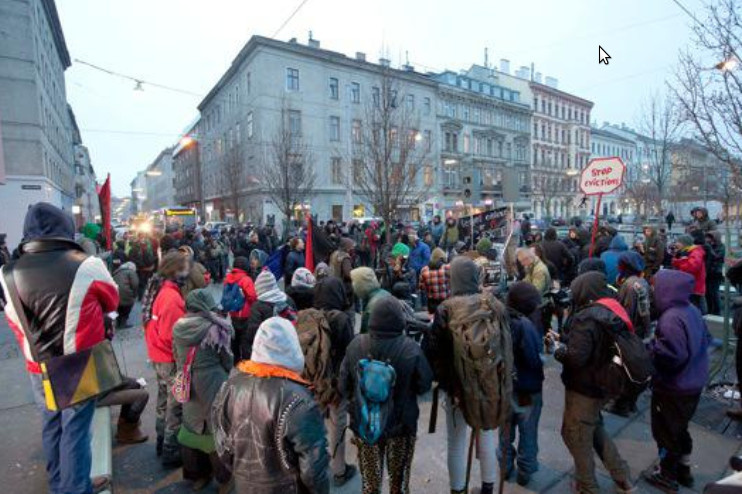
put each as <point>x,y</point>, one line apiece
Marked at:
<point>494,222</point>
<point>104,198</point>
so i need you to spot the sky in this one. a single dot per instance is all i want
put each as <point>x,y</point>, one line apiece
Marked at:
<point>189,44</point>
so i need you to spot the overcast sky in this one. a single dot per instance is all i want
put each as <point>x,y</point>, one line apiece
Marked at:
<point>188,44</point>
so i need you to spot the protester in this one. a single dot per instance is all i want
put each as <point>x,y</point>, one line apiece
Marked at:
<point>670,219</point>
<point>341,264</point>
<point>242,282</point>
<point>329,298</point>
<point>419,255</point>
<point>144,257</point>
<point>490,389</point>
<point>284,448</point>
<point>301,290</point>
<point>437,229</point>
<point>691,259</point>
<point>536,272</point>
<point>386,343</point>
<point>127,282</point>
<point>321,271</point>
<point>202,338</point>
<point>119,256</point>
<point>367,288</point>
<point>701,221</point>
<point>450,235</point>
<point>56,283</point>
<point>734,275</point>
<point>294,260</point>
<point>435,280</point>
<point>582,354</point>
<point>162,306</point>
<point>592,264</point>
<point>610,258</point>
<point>557,253</point>
<point>258,259</point>
<point>715,271</point>
<point>522,300</point>
<point>198,276</point>
<point>653,250</point>
<point>680,355</point>
<point>397,277</point>
<point>271,302</point>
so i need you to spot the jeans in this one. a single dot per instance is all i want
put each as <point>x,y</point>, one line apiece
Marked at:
<point>459,435</point>
<point>583,434</point>
<point>524,420</point>
<point>336,424</point>
<point>169,411</point>
<point>671,415</point>
<point>66,441</point>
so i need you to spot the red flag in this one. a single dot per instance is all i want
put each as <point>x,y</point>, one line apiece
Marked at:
<point>104,198</point>
<point>308,253</point>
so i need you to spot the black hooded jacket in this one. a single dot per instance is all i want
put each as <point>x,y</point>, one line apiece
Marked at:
<point>329,297</point>
<point>385,341</point>
<point>586,348</point>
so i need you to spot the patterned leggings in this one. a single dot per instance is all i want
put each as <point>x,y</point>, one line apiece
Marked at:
<point>398,452</point>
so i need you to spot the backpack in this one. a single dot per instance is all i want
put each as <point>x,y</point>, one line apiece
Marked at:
<point>482,358</point>
<point>373,395</point>
<point>313,329</point>
<point>629,364</point>
<point>233,298</point>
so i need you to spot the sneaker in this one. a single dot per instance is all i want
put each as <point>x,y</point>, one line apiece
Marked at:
<point>523,478</point>
<point>658,480</point>
<point>341,480</point>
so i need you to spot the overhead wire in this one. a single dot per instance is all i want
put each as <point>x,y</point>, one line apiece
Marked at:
<point>288,19</point>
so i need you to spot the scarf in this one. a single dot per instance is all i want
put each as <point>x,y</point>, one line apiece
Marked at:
<point>258,369</point>
<point>150,294</point>
<point>219,335</point>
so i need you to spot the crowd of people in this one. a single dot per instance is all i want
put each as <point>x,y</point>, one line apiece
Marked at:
<point>255,390</point>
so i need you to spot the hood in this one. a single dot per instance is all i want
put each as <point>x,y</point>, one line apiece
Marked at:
<point>322,270</point>
<point>276,343</point>
<point>464,276</point>
<point>234,276</point>
<point>588,288</point>
<point>551,234</point>
<point>715,235</point>
<point>437,258</point>
<point>387,318</point>
<point>652,230</point>
<point>91,231</point>
<point>265,282</point>
<point>47,222</point>
<point>329,294</point>
<point>303,278</point>
<point>364,281</point>
<point>191,329</point>
<point>704,213</point>
<point>672,288</point>
<point>259,255</point>
<point>241,263</point>
<point>200,301</point>
<point>618,243</point>
<point>630,263</point>
<point>523,297</point>
<point>127,265</point>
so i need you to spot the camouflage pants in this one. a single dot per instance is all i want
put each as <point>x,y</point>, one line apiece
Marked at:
<point>169,411</point>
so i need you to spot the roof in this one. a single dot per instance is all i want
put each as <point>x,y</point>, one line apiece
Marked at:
<point>308,51</point>
<point>594,131</point>
<point>50,8</point>
<point>558,92</point>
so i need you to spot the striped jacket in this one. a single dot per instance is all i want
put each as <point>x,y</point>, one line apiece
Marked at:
<point>65,294</point>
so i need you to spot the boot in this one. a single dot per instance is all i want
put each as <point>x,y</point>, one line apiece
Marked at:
<point>130,432</point>
<point>662,482</point>
<point>487,488</point>
<point>685,477</point>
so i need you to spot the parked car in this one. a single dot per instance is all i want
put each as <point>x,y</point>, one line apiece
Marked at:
<point>558,222</point>
<point>215,225</point>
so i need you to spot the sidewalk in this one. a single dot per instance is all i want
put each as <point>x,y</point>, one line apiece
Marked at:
<point>137,470</point>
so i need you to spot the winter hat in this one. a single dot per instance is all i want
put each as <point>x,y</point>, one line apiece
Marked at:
<point>523,297</point>
<point>400,249</point>
<point>364,281</point>
<point>276,343</point>
<point>630,263</point>
<point>200,301</point>
<point>593,264</point>
<point>91,231</point>
<point>685,240</point>
<point>484,245</point>
<point>437,255</point>
<point>303,278</point>
<point>386,316</point>
<point>346,244</point>
<point>265,282</point>
<point>47,222</point>
<point>241,263</point>
<point>322,270</point>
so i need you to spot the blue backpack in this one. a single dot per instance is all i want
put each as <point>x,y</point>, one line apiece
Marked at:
<point>233,300</point>
<point>374,389</point>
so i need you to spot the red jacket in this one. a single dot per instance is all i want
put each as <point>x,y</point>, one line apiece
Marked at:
<point>168,307</point>
<point>248,289</point>
<point>693,262</point>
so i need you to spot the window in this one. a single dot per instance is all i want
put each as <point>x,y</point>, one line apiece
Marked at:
<point>358,170</point>
<point>535,129</point>
<point>535,103</point>
<point>334,128</point>
<point>292,79</point>
<point>294,123</point>
<point>428,138</point>
<point>249,125</point>
<point>238,134</point>
<point>426,105</point>
<point>393,98</point>
<point>490,147</point>
<point>337,171</point>
<point>248,82</point>
<point>428,176</point>
<point>466,143</point>
<point>355,92</point>
<point>337,212</point>
<point>356,132</point>
<point>334,88</point>
<point>543,106</point>
<point>452,144</point>
<point>376,95</point>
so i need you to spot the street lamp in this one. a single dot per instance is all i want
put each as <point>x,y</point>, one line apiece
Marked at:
<point>154,173</point>
<point>572,172</point>
<point>727,65</point>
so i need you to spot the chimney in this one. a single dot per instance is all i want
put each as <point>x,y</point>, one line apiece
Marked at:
<point>360,56</point>
<point>313,43</point>
<point>523,73</point>
<point>292,41</point>
<point>552,82</point>
<point>384,62</point>
<point>505,66</point>
<point>538,77</point>
<point>533,70</point>
<point>486,57</point>
<point>408,68</point>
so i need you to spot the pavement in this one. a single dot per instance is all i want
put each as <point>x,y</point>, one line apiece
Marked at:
<point>137,470</point>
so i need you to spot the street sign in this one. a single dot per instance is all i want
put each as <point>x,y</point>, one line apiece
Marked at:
<point>602,176</point>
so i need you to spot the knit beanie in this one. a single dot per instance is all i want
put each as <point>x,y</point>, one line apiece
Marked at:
<point>400,249</point>
<point>303,278</point>
<point>321,270</point>
<point>276,343</point>
<point>523,297</point>
<point>685,240</point>
<point>265,282</point>
<point>241,263</point>
<point>484,245</point>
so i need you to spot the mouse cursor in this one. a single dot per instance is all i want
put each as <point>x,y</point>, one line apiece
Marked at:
<point>603,56</point>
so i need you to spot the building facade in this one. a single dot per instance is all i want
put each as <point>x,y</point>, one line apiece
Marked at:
<point>36,130</point>
<point>561,148</point>
<point>187,187</point>
<point>139,194</point>
<point>159,182</point>
<point>87,206</point>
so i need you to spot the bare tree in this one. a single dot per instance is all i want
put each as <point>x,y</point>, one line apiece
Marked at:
<point>289,175</point>
<point>640,193</point>
<point>707,87</point>
<point>546,189</point>
<point>660,123</point>
<point>392,154</point>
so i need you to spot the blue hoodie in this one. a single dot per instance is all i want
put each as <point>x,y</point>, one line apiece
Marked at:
<point>419,256</point>
<point>610,258</point>
<point>680,346</point>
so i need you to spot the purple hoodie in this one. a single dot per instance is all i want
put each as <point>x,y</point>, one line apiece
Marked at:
<point>680,346</point>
